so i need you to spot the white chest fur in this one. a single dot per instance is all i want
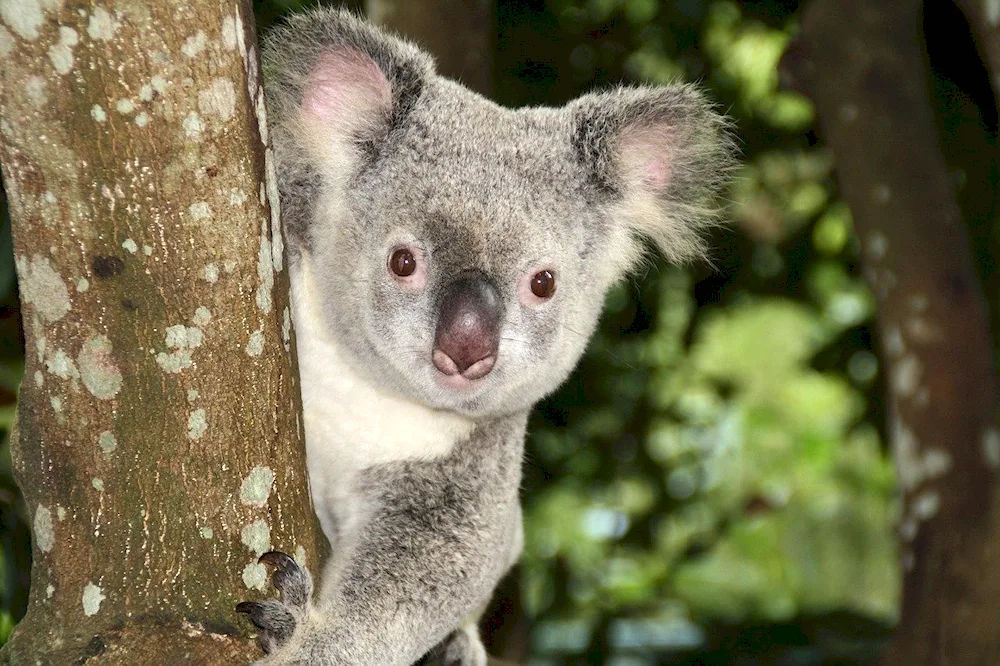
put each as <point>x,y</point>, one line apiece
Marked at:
<point>351,424</point>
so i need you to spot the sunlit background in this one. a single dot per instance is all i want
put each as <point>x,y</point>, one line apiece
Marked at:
<point>712,485</point>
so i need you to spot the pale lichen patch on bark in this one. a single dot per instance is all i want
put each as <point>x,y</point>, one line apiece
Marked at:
<point>97,368</point>
<point>130,246</point>
<point>219,99</point>
<point>45,537</point>
<point>34,90</point>
<point>42,287</point>
<point>274,203</point>
<point>255,345</point>
<point>201,316</point>
<point>98,484</point>
<point>199,210</point>
<point>192,126</point>
<point>197,424</point>
<point>265,271</point>
<point>255,576</point>
<point>102,25</point>
<point>926,505</point>
<point>194,44</point>
<point>937,463</point>
<point>182,340</point>
<point>107,441</point>
<point>24,17</point>
<point>206,532</point>
<point>92,598</point>
<point>256,487</point>
<point>61,365</point>
<point>257,537</point>
<point>893,343</point>
<point>210,273</point>
<point>921,330</point>
<point>906,376</point>
<point>878,244</point>
<point>229,33</point>
<point>61,53</point>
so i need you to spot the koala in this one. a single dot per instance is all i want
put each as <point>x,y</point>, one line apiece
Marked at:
<point>449,259</point>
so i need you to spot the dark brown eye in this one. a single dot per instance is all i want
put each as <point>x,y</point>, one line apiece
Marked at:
<point>543,284</point>
<point>402,262</point>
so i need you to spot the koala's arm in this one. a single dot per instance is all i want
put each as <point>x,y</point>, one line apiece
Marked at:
<point>436,541</point>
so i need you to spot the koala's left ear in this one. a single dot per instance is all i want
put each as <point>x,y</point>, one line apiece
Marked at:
<point>658,158</point>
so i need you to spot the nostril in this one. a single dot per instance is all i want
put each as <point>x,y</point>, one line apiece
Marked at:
<point>444,363</point>
<point>480,368</point>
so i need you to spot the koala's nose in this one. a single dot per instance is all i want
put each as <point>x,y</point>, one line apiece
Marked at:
<point>468,328</point>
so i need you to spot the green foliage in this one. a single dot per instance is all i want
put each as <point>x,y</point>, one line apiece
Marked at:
<point>708,465</point>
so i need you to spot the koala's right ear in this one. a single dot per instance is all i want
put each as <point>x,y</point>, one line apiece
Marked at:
<point>337,86</point>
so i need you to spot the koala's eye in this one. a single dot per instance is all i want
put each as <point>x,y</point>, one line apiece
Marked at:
<point>543,284</point>
<point>402,262</point>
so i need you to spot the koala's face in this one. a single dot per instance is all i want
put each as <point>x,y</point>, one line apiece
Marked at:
<point>466,270</point>
<point>462,251</point>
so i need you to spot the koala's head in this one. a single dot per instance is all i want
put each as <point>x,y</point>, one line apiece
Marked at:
<point>461,251</point>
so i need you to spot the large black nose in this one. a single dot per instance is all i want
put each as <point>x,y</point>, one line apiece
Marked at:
<point>468,328</point>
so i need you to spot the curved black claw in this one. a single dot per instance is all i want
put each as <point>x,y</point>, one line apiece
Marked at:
<point>292,581</point>
<point>276,619</point>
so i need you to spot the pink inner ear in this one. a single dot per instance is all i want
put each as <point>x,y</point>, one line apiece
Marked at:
<point>657,173</point>
<point>345,84</point>
<point>646,152</point>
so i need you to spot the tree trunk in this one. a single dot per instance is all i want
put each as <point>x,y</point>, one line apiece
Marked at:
<point>460,33</point>
<point>863,63</point>
<point>160,448</point>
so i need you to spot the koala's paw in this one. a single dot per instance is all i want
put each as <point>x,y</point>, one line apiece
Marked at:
<point>276,619</point>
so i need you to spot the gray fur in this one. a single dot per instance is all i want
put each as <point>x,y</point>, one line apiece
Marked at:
<point>426,520</point>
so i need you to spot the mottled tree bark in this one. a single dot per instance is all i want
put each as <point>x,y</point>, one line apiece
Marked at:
<point>158,416</point>
<point>460,33</point>
<point>863,64</point>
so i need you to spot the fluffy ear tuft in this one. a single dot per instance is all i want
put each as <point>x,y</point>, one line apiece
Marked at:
<point>659,158</point>
<point>336,88</point>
